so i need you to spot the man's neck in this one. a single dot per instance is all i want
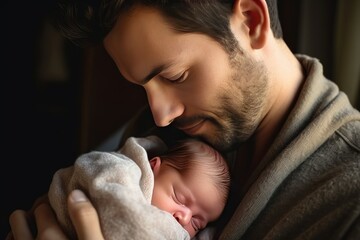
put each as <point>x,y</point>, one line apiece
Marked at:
<point>285,81</point>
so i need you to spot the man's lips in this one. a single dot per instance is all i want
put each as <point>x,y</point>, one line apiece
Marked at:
<point>191,128</point>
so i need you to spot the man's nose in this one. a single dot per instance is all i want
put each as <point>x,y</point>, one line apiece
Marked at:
<point>183,215</point>
<point>164,103</point>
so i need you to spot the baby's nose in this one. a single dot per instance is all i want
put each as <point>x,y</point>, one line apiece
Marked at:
<point>183,215</point>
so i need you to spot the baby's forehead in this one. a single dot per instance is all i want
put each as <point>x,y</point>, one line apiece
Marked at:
<point>207,193</point>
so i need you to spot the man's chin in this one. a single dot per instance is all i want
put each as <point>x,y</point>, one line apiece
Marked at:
<point>214,141</point>
<point>221,142</point>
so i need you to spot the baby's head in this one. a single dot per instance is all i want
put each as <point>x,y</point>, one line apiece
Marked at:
<point>192,183</point>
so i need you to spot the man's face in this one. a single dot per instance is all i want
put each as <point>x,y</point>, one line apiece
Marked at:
<point>189,78</point>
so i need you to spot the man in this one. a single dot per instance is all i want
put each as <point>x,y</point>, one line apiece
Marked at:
<point>220,71</point>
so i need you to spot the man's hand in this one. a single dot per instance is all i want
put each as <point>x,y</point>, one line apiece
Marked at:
<point>82,214</point>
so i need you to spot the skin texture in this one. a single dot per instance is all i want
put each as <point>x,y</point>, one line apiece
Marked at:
<point>186,197</point>
<point>195,78</point>
<point>235,102</point>
<point>82,214</point>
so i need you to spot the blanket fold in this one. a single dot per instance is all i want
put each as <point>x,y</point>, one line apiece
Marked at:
<point>120,186</point>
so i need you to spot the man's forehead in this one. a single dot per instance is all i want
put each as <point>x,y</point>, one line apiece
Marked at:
<point>144,46</point>
<point>130,38</point>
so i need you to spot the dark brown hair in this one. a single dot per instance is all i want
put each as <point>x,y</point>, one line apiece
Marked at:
<point>89,21</point>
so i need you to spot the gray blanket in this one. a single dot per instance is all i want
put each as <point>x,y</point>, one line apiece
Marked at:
<point>120,186</point>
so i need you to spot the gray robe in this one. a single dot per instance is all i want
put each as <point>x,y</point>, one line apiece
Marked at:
<point>308,184</point>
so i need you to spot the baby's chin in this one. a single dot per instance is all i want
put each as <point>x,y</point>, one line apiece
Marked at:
<point>191,232</point>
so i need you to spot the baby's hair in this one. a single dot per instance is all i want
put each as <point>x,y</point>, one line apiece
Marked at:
<point>190,154</point>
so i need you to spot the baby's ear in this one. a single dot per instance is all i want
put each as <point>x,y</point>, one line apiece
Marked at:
<point>155,163</point>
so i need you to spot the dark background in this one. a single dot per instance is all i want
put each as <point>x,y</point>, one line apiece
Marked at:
<point>39,119</point>
<point>49,119</point>
<point>47,122</point>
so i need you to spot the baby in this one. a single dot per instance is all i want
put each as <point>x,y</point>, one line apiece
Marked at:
<point>139,195</point>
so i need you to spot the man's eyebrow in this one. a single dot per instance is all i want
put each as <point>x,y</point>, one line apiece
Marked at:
<point>154,72</point>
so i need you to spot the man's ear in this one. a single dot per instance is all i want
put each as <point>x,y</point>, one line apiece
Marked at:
<point>155,163</point>
<point>252,15</point>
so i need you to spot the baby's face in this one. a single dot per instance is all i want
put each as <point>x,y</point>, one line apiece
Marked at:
<point>194,200</point>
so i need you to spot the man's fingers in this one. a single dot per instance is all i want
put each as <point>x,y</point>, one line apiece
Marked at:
<point>42,199</point>
<point>82,213</point>
<point>84,216</point>
<point>19,226</point>
<point>47,225</point>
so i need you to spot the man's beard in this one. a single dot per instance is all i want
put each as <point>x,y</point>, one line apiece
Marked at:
<point>241,104</point>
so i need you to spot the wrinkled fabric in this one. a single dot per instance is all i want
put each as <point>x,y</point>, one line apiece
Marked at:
<point>308,184</point>
<point>120,186</point>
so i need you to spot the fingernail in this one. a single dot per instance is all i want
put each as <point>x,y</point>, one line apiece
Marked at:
<point>78,196</point>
